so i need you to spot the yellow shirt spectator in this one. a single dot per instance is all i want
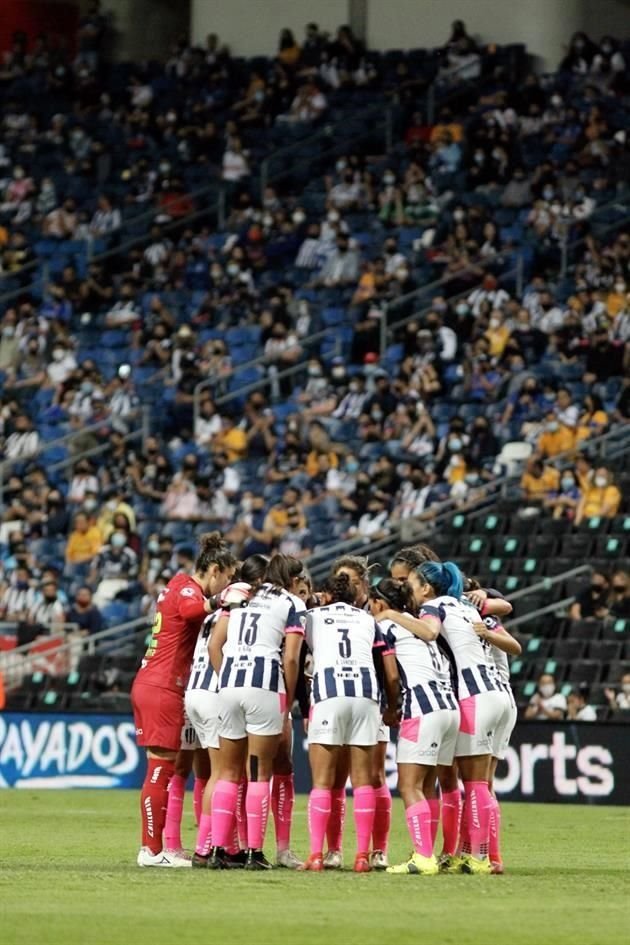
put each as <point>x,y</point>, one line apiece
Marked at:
<point>557,438</point>
<point>538,480</point>
<point>84,541</point>
<point>232,441</point>
<point>600,499</point>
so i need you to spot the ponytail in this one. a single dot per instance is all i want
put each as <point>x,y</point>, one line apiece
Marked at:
<point>213,549</point>
<point>446,578</point>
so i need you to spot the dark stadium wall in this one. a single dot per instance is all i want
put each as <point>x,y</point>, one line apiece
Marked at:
<point>33,17</point>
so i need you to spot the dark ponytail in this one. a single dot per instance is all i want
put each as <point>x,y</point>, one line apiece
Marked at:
<point>252,570</point>
<point>282,571</point>
<point>213,549</point>
<point>396,595</point>
<point>413,556</point>
<point>341,589</point>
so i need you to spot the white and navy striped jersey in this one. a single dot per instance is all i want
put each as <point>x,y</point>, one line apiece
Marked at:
<point>342,640</point>
<point>424,671</point>
<point>498,658</point>
<point>475,670</point>
<point>202,675</point>
<point>255,635</point>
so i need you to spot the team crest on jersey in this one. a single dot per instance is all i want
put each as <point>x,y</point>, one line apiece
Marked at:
<point>187,592</point>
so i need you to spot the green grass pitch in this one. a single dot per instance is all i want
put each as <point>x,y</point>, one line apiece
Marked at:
<point>68,876</point>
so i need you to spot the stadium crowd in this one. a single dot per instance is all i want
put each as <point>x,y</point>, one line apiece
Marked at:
<point>340,437</point>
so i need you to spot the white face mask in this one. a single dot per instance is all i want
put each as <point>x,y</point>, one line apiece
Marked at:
<point>626,689</point>
<point>58,354</point>
<point>547,690</point>
<point>601,482</point>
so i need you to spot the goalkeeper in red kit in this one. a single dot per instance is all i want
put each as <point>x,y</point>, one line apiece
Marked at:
<point>158,690</point>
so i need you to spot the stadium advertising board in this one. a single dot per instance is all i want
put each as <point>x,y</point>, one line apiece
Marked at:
<point>545,762</point>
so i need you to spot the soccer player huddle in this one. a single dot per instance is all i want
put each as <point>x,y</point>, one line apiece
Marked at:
<point>236,645</point>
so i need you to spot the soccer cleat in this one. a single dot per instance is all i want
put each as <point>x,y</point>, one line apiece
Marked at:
<point>288,860</point>
<point>217,860</point>
<point>235,861</point>
<point>199,862</point>
<point>378,860</point>
<point>417,865</point>
<point>164,859</point>
<point>475,867</point>
<point>496,868</point>
<point>314,864</point>
<point>256,860</point>
<point>333,860</point>
<point>450,863</point>
<point>362,863</point>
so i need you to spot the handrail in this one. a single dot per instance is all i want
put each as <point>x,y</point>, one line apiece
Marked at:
<point>548,582</point>
<point>541,611</point>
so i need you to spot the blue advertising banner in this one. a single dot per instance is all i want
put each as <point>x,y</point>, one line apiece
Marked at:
<point>69,751</point>
<point>546,761</point>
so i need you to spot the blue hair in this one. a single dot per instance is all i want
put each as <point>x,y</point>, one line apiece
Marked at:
<point>445,577</point>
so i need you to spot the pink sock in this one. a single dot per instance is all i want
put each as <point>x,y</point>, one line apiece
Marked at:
<point>282,800</point>
<point>494,849</point>
<point>419,827</point>
<point>364,804</point>
<point>319,807</point>
<point>241,817</point>
<point>464,832</point>
<point>334,831</point>
<point>174,811</point>
<point>382,818</point>
<point>223,812</point>
<point>434,807</point>
<point>451,821</point>
<point>204,835</point>
<point>477,810</point>
<point>257,809</point>
<point>198,789</point>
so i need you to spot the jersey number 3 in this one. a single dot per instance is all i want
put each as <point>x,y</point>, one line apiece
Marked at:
<point>345,647</point>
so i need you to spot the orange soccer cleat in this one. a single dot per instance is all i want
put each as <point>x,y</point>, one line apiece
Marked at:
<point>314,864</point>
<point>362,863</point>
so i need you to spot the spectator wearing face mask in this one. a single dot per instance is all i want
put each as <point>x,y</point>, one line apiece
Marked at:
<point>578,709</point>
<point>546,704</point>
<point>600,499</point>
<point>114,569</point>
<point>84,614</point>
<point>563,502</point>
<point>620,594</point>
<point>24,441</point>
<point>619,701</point>
<point>47,611</point>
<point>593,602</point>
<point>556,437</point>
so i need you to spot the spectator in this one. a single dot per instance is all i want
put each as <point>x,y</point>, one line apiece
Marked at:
<point>23,443</point>
<point>564,501</point>
<point>18,597</point>
<point>539,481</point>
<point>106,219</point>
<point>113,570</point>
<point>556,437</point>
<point>578,709</point>
<point>84,541</point>
<point>619,701</point>
<point>546,704</point>
<point>592,603</point>
<point>600,499</point>
<point>47,611</point>
<point>235,164</point>
<point>83,612</point>
<point>207,423</point>
<point>620,594</point>
<point>288,49</point>
<point>232,440</point>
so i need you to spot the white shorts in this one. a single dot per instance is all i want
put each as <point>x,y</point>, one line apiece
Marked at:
<point>344,720</point>
<point>383,732</point>
<point>249,711</point>
<point>428,739</point>
<point>202,708</point>
<point>189,740</point>
<point>505,727</point>
<point>480,718</point>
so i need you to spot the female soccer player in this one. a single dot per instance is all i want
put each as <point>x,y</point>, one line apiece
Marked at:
<point>157,694</point>
<point>430,720</point>
<point>480,702</point>
<point>202,706</point>
<point>499,643</point>
<point>345,695</point>
<point>256,684</point>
